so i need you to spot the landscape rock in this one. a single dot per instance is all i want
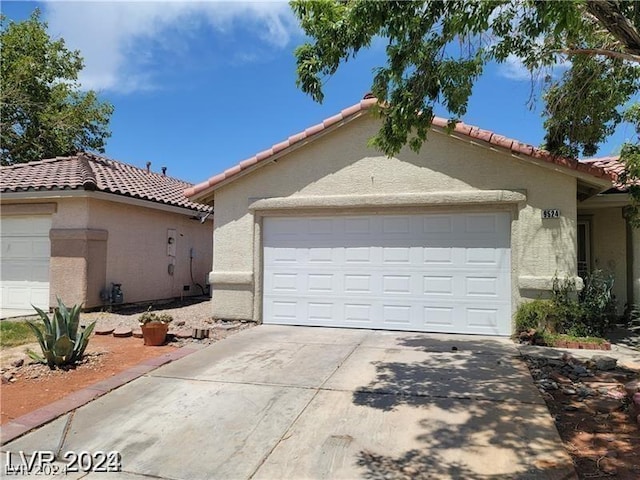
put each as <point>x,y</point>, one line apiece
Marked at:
<point>604,404</point>
<point>183,333</point>
<point>548,384</point>
<point>580,371</point>
<point>603,362</point>
<point>569,391</point>
<point>122,332</point>
<point>180,323</point>
<point>103,330</point>
<point>558,377</point>
<point>632,387</point>
<point>5,380</point>
<point>585,392</point>
<point>18,363</point>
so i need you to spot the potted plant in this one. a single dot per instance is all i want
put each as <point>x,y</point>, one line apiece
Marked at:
<point>154,327</point>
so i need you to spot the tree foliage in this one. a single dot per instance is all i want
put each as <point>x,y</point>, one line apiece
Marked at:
<point>44,113</point>
<point>437,50</point>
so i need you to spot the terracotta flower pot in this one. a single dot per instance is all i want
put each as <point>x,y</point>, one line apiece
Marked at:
<point>154,333</point>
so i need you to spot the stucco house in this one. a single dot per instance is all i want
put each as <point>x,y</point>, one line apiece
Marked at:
<point>75,226</point>
<point>322,230</point>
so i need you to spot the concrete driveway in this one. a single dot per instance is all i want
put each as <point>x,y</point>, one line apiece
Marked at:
<point>277,402</point>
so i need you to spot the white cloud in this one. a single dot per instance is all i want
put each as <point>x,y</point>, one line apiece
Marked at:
<point>120,40</point>
<point>514,69</point>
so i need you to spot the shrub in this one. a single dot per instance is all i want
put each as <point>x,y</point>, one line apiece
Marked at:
<point>565,296</point>
<point>149,317</point>
<point>59,341</point>
<point>598,303</point>
<point>539,315</point>
<point>588,313</point>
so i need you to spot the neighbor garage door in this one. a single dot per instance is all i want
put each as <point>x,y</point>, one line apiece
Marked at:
<point>24,264</point>
<point>432,273</point>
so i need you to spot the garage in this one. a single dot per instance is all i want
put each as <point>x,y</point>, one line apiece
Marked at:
<point>24,267</point>
<point>428,272</point>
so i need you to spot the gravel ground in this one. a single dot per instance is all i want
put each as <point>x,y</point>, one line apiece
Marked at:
<point>194,312</point>
<point>190,313</point>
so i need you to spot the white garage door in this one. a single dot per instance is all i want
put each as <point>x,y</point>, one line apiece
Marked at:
<point>24,267</point>
<point>432,273</point>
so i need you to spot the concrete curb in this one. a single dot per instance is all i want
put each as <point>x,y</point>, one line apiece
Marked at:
<point>32,420</point>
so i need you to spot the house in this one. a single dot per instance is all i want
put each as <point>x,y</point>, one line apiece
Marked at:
<point>96,231</point>
<point>322,230</point>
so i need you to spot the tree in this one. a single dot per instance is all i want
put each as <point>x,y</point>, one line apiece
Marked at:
<point>436,51</point>
<point>43,112</point>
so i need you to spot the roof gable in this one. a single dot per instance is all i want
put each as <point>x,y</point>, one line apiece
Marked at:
<point>90,172</point>
<point>336,121</point>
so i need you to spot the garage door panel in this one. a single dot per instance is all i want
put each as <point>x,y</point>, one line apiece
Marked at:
<point>441,273</point>
<point>24,263</point>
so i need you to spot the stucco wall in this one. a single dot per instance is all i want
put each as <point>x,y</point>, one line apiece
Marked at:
<point>97,242</point>
<point>609,247</point>
<point>340,164</point>
<point>137,250</point>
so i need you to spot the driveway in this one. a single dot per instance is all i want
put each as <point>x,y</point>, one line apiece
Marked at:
<point>301,402</point>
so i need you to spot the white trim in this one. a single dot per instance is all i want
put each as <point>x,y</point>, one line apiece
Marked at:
<point>110,197</point>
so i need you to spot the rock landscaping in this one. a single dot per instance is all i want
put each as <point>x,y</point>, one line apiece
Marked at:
<point>596,408</point>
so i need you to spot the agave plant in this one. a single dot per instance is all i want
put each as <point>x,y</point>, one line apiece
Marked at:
<point>60,342</point>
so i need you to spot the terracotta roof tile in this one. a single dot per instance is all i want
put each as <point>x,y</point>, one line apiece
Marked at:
<point>482,135</point>
<point>612,165</point>
<point>87,171</point>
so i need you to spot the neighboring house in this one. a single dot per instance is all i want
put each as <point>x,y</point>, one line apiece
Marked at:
<point>322,230</point>
<point>73,226</point>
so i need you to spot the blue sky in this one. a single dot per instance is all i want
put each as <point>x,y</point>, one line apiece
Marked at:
<point>199,86</point>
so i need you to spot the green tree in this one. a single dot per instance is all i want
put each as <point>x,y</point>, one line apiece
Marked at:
<point>43,111</point>
<point>436,51</point>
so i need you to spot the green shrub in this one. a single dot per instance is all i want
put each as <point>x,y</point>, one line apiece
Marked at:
<point>565,296</point>
<point>588,313</point>
<point>539,315</point>
<point>60,342</point>
<point>598,304</point>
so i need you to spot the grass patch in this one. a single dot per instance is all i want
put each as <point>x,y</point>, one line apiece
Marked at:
<point>15,333</point>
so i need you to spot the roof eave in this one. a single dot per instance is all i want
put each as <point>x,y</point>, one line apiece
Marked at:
<point>206,195</point>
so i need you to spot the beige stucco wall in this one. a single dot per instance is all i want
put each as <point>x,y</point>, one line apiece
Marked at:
<point>137,250</point>
<point>340,164</point>
<point>609,247</point>
<point>96,242</point>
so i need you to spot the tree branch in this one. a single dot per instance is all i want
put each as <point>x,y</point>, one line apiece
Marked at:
<point>601,51</point>
<point>609,16</point>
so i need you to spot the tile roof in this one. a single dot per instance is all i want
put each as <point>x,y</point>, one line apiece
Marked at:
<point>88,171</point>
<point>353,111</point>
<point>613,166</point>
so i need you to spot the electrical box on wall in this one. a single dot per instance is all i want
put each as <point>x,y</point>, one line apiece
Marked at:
<point>171,242</point>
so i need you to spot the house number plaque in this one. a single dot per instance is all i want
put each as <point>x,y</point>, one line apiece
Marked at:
<point>551,213</point>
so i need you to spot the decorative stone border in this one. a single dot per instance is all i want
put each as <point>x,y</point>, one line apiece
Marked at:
<point>582,345</point>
